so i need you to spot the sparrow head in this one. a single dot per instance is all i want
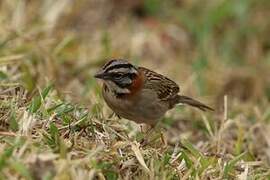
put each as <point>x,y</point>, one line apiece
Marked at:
<point>118,75</point>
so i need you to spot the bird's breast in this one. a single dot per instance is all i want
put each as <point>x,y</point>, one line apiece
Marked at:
<point>143,107</point>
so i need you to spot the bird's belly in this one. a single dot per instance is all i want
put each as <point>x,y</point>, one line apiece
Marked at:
<point>139,109</point>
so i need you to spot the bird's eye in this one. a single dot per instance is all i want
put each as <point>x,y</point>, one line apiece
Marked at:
<point>117,75</point>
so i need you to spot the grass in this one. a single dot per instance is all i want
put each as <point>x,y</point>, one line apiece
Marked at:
<point>54,123</point>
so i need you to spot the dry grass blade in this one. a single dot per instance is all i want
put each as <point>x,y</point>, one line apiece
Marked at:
<point>64,42</point>
<point>135,148</point>
<point>10,59</point>
<point>9,84</point>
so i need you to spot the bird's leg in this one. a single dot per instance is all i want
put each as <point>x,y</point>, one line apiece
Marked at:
<point>114,114</point>
<point>119,117</point>
<point>146,140</point>
<point>163,140</point>
<point>149,131</point>
<point>141,128</point>
<point>145,128</point>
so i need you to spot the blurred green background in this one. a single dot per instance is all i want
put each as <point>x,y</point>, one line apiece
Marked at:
<point>211,48</point>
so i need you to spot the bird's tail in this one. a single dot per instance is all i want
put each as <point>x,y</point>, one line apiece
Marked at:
<point>193,102</point>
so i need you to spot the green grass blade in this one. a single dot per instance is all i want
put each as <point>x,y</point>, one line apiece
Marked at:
<point>36,102</point>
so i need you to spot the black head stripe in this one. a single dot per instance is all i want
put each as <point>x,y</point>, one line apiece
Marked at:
<point>109,63</point>
<point>118,66</point>
<point>129,75</point>
<point>116,63</point>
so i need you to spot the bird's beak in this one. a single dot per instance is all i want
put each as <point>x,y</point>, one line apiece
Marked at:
<point>100,75</point>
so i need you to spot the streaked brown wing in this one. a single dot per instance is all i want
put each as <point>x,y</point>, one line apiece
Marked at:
<point>165,88</point>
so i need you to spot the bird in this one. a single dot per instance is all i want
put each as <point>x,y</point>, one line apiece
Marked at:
<point>140,94</point>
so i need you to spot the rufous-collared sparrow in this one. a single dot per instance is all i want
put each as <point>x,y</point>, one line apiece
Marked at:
<point>139,94</point>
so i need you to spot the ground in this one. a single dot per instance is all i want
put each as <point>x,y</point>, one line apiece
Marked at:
<point>54,123</point>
